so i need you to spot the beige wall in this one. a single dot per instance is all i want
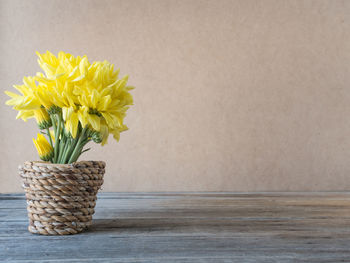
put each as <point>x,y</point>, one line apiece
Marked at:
<point>231,95</point>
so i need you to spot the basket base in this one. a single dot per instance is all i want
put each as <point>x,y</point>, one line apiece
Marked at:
<point>38,228</point>
<point>54,232</point>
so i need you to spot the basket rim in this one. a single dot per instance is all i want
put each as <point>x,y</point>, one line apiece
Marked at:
<point>67,165</point>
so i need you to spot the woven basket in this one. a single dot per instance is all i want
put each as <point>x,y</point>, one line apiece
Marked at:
<point>61,197</point>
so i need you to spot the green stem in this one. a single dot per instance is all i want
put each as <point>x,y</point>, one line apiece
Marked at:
<point>61,148</point>
<point>54,130</point>
<point>80,151</point>
<point>49,135</point>
<point>67,150</point>
<point>71,150</point>
<point>78,147</point>
<point>57,136</point>
<point>50,139</point>
<point>72,144</point>
<point>64,149</point>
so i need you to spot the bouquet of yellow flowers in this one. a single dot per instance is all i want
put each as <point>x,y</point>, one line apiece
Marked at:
<point>73,103</point>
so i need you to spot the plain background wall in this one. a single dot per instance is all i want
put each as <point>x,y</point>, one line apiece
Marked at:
<point>231,95</point>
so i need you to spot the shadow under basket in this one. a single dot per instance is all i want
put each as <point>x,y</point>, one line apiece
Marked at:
<point>61,198</point>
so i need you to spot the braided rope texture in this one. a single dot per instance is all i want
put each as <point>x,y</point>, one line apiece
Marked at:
<point>61,197</point>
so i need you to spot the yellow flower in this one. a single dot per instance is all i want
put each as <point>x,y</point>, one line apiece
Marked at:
<point>83,99</point>
<point>116,132</point>
<point>70,116</point>
<point>45,95</point>
<point>42,118</point>
<point>104,99</point>
<point>43,147</point>
<point>27,102</point>
<point>64,64</point>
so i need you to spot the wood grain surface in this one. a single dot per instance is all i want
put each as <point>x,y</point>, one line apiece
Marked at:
<point>190,227</point>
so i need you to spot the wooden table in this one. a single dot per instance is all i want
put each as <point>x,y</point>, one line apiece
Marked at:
<point>190,227</point>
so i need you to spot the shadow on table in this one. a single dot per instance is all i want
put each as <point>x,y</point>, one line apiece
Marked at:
<point>138,225</point>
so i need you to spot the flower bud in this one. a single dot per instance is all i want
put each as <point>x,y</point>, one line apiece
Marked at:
<point>42,118</point>
<point>54,110</point>
<point>96,137</point>
<point>43,147</point>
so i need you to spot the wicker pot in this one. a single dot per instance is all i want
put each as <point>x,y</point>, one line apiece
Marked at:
<point>61,197</point>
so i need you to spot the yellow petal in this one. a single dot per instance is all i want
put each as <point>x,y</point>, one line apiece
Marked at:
<point>74,124</point>
<point>94,120</point>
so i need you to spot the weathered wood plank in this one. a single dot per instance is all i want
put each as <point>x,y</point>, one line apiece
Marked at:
<point>191,227</point>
